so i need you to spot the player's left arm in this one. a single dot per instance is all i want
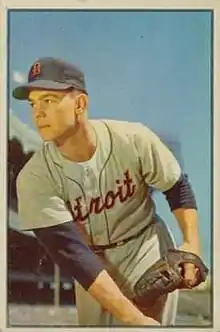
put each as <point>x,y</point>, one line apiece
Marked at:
<point>162,171</point>
<point>182,203</point>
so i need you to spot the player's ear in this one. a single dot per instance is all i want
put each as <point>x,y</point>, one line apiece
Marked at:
<point>81,103</point>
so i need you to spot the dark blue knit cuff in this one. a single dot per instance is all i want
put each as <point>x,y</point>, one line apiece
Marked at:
<point>181,195</point>
<point>66,247</point>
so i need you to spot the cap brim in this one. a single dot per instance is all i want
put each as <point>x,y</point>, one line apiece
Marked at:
<point>22,92</point>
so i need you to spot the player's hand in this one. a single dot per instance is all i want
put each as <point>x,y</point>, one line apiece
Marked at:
<point>189,271</point>
<point>148,321</point>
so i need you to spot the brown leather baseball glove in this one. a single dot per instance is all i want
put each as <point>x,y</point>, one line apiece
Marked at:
<point>165,276</point>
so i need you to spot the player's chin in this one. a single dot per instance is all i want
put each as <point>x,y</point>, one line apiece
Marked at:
<point>47,135</point>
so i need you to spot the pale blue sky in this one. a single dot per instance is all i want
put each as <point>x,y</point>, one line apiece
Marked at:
<point>152,67</point>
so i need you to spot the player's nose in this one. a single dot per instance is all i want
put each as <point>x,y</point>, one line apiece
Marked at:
<point>39,109</point>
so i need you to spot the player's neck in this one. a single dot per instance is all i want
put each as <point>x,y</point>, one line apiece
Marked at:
<point>80,146</point>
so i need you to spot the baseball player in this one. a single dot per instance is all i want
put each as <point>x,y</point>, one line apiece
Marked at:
<point>86,196</point>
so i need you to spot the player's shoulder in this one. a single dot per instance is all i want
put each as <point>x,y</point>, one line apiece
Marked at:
<point>128,128</point>
<point>34,168</point>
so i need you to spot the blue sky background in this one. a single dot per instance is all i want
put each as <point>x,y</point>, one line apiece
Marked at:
<point>152,67</point>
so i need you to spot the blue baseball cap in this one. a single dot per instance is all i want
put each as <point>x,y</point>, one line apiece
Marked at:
<point>51,74</point>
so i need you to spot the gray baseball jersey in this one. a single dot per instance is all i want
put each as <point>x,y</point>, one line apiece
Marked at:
<point>109,196</point>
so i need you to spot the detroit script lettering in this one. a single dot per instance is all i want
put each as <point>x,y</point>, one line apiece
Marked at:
<point>123,190</point>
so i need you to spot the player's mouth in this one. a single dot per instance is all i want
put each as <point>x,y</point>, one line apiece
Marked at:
<point>43,126</point>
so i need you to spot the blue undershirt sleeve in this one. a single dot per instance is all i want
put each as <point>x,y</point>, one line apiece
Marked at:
<point>67,248</point>
<point>181,195</point>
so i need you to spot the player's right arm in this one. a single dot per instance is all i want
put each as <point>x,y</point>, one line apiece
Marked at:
<point>44,212</point>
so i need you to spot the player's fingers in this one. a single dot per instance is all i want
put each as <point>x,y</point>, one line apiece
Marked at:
<point>190,274</point>
<point>151,322</point>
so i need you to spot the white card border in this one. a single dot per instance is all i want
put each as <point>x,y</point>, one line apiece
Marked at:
<point>115,4</point>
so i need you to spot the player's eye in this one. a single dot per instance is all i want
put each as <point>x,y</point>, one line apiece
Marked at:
<point>31,104</point>
<point>43,102</point>
<point>47,101</point>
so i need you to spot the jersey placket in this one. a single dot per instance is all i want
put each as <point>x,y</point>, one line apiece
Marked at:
<point>91,190</point>
<point>90,184</point>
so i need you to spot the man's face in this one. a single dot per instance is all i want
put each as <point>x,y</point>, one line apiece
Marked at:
<point>53,112</point>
